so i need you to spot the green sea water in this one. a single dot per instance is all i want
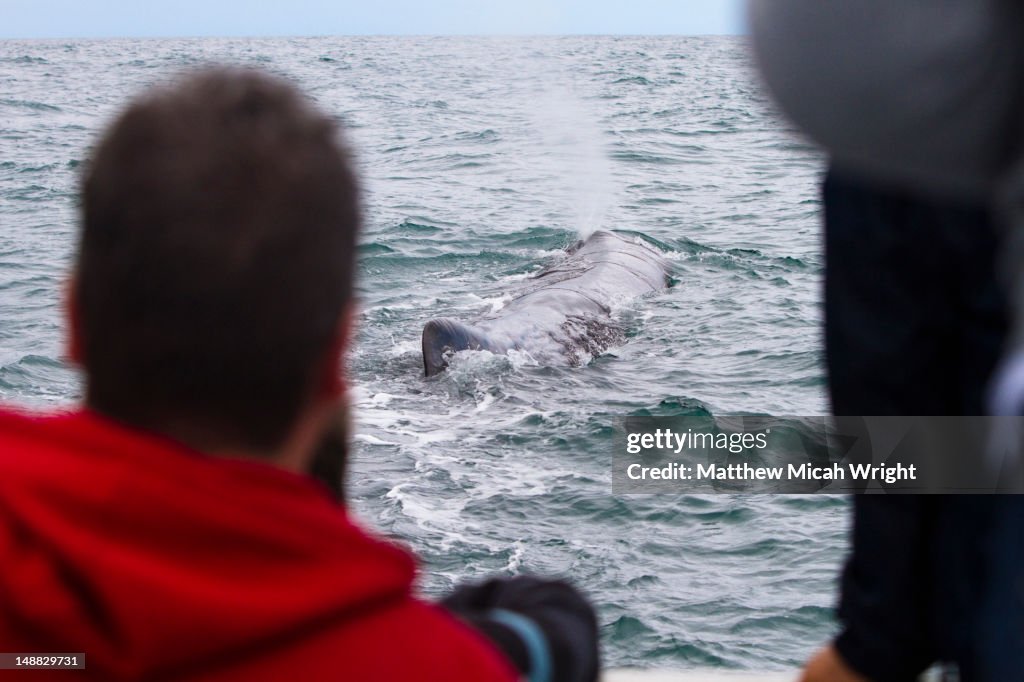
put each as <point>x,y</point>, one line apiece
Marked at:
<point>483,158</point>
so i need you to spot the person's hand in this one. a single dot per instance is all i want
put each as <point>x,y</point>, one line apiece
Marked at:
<point>828,666</point>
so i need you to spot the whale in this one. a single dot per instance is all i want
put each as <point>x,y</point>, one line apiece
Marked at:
<point>563,314</point>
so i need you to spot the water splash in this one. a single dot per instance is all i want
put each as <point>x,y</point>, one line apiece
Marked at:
<point>572,150</point>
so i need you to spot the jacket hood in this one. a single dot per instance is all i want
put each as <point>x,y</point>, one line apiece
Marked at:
<point>151,557</point>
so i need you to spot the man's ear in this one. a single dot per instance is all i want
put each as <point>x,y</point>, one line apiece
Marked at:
<point>73,342</point>
<point>334,375</point>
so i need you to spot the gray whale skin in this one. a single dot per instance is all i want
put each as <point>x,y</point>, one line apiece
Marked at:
<point>562,314</point>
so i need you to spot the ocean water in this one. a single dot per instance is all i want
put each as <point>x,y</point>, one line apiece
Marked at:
<point>483,158</point>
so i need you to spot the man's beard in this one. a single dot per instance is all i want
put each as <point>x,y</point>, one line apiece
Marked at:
<point>331,457</point>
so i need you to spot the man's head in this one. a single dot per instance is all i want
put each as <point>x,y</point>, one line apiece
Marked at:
<point>215,267</point>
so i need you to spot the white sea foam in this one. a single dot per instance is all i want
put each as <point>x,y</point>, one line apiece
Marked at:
<point>372,440</point>
<point>515,561</point>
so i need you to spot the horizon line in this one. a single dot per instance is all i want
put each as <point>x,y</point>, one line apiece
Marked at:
<point>370,35</point>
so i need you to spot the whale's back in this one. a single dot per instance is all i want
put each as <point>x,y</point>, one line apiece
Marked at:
<point>565,310</point>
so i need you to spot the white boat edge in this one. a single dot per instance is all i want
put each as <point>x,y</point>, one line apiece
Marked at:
<point>627,675</point>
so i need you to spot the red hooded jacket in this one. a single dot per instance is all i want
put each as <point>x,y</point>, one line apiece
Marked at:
<point>160,563</point>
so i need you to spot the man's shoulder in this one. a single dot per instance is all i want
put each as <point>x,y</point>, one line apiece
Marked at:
<point>20,422</point>
<point>56,428</point>
<point>23,432</point>
<point>329,599</point>
<point>405,639</point>
<point>422,636</point>
<point>53,447</point>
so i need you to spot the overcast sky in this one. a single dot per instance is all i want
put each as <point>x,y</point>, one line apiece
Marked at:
<point>144,18</point>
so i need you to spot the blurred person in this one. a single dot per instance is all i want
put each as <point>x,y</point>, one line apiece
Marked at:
<point>919,106</point>
<point>173,527</point>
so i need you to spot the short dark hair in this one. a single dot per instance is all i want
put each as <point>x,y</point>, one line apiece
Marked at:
<point>219,220</point>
